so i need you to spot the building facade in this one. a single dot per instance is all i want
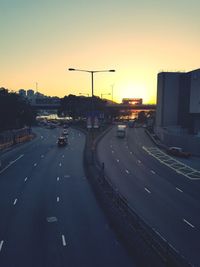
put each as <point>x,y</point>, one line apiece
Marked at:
<point>178,100</point>
<point>178,108</point>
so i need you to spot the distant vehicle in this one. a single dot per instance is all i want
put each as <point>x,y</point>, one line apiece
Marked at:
<point>65,126</point>
<point>121,131</point>
<point>178,152</point>
<point>65,132</point>
<point>62,141</point>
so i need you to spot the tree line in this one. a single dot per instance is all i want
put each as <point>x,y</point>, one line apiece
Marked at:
<point>15,112</point>
<point>80,106</point>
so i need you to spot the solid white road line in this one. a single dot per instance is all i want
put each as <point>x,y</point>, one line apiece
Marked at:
<point>11,163</point>
<point>63,241</point>
<point>160,236</point>
<point>147,190</point>
<point>1,244</point>
<point>179,189</point>
<point>15,201</point>
<point>153,172</point>
<point>191,225</point>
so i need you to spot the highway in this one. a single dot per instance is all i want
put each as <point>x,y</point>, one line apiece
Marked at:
<point>49,214</point>
<point>164,198</point>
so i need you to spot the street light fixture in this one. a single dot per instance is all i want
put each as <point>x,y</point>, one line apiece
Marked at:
<point>92,75</point>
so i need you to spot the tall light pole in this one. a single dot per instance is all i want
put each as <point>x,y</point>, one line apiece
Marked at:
<point>92,75</point>
<point>112,85</point>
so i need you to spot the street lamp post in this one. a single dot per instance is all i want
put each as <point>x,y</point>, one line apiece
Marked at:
<point>92,75</point>
<point>92,81</point>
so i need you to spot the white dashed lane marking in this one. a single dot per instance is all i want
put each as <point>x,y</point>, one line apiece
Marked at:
<point>58,178</point>
<point>127,171</point>
<point>63,241</point>
<point>179,189</point>
<point>15,201</point>
<point>153,172</point>
<point>35,164</point>
<point>188,223</point>
<point>147,190</point>
<point>58,199</point>
<point>25,179</point>
<point>1,244</point>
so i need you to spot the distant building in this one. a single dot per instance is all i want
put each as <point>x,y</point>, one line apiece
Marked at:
<point>132,101</point>
<point>22,93</point>
<point>178,103</point>
<point>30,94</point>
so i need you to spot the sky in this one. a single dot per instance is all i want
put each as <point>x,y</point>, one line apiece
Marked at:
<point>41,39</point>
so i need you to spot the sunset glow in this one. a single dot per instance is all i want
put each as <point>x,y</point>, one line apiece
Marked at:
<point>41,39</point>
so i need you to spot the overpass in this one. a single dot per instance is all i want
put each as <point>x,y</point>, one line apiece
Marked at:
<point>51,106</point>
<point>131,107</point>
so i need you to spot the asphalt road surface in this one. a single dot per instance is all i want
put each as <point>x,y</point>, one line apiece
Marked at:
<point>167,200</point>
<point>48,213</point>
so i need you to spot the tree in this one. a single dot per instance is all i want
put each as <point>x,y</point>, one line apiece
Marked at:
<point>15,112</point>
<point>80,106</point>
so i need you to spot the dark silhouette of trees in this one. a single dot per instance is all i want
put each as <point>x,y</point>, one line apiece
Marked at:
<point>15,112</point>
<point>80,106</point>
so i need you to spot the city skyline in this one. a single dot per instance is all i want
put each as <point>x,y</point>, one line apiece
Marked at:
<point>42,39</point>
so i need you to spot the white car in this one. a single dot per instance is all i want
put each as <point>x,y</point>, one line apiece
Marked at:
<point>65,132</point>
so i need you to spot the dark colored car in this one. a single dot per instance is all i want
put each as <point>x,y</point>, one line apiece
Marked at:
<point>178,152</point>
<point>62,141</point>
